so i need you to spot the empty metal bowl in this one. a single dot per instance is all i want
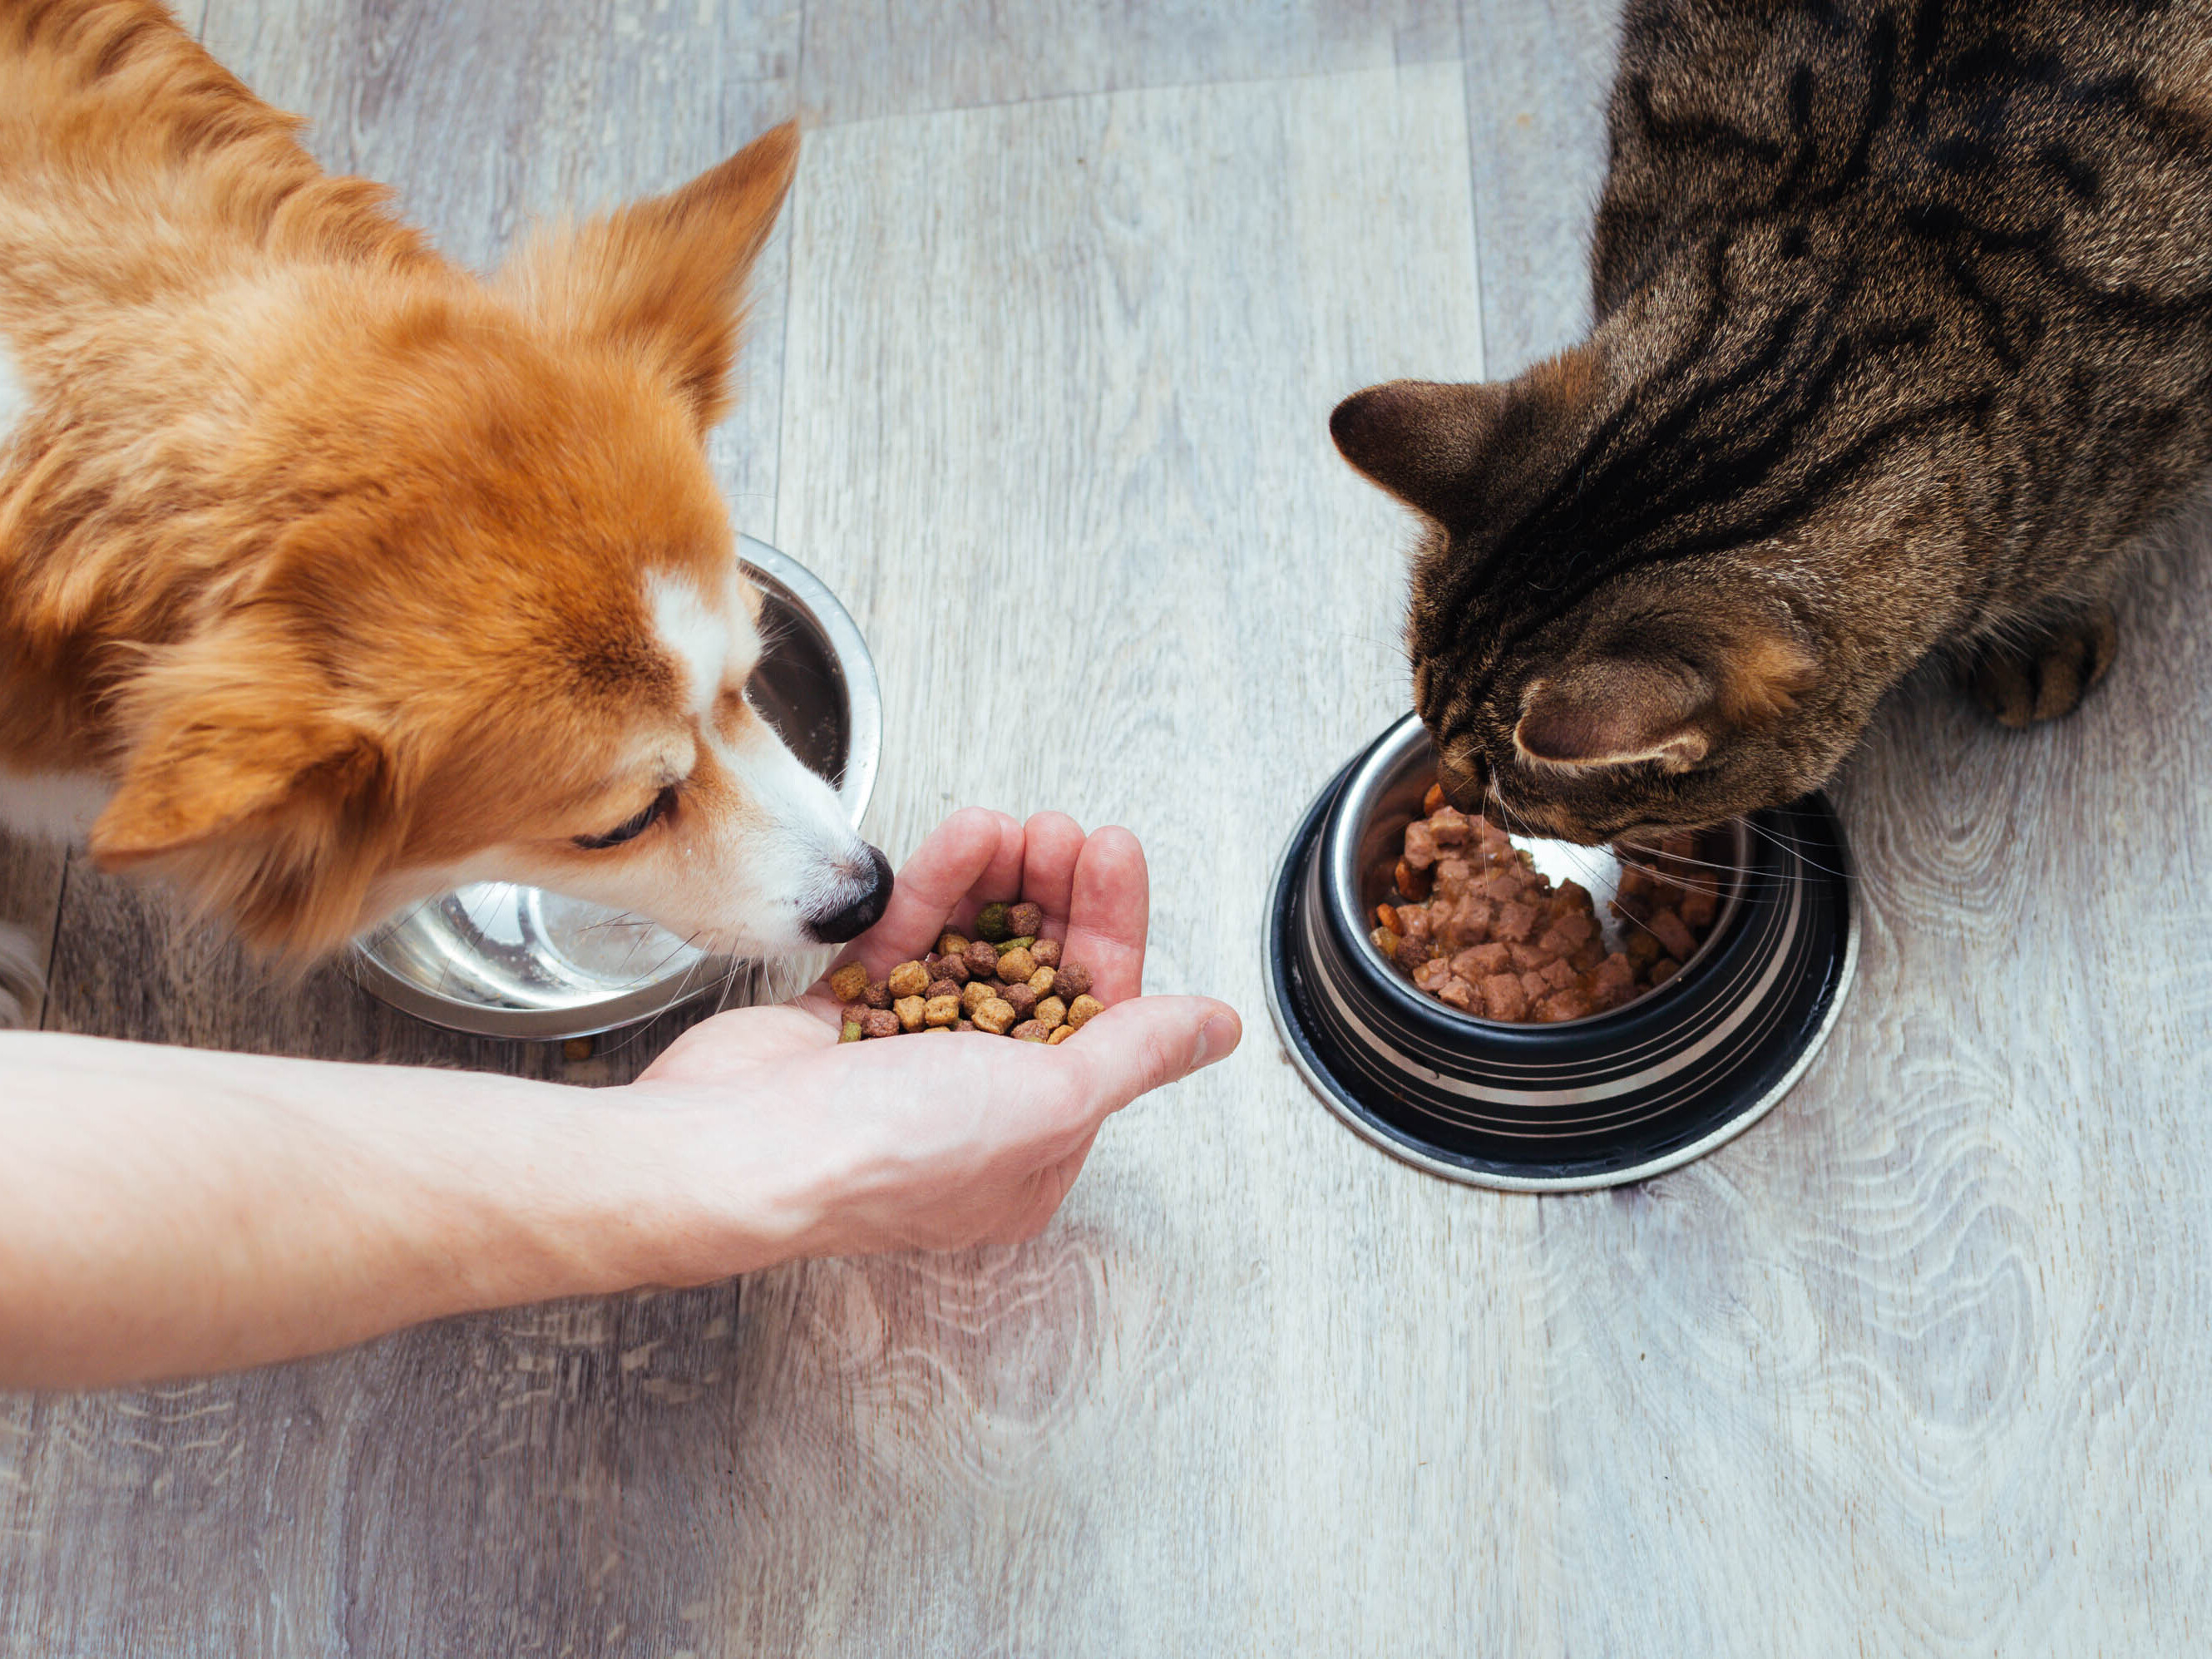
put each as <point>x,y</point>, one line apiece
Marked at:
<point>501,960</point>
<point>1614,1097</point>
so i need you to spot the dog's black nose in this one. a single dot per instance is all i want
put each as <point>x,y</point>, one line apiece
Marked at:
<point>863,912</point>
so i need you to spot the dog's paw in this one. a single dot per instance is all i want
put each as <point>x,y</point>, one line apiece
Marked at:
<point>20,982</point>
<point>2046,677</point>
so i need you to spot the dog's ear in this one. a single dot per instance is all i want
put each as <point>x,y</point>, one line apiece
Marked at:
<point>278,820</point>
<point>666,277</point>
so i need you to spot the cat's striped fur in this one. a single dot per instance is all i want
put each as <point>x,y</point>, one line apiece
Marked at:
<point>1903,341</point>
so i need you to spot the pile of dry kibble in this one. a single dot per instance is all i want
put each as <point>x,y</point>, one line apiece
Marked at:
<point>1007,980</point>
<point>1479,928</point>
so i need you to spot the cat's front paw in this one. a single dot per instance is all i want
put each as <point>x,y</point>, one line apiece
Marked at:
<point>2046,677</point>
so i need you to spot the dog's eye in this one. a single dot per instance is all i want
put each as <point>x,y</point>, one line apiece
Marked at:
<point>632,829</point>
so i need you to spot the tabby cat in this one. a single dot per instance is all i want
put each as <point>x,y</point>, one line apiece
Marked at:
<point>1902,342</point>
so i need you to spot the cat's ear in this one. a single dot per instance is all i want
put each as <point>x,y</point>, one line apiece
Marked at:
<point>666,277</point>
<point>1432,445</point>
<point>1626,708</point>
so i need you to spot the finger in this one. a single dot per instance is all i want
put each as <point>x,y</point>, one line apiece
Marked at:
<point>1001,881</point>
<point>1052,843</point>
<point>955,856</point>
<point>1136,1047</point>
<point>1108,913</point>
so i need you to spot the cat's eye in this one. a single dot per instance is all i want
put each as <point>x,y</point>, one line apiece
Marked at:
<point>631,829</point>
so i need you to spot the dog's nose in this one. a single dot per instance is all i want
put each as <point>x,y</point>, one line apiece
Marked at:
<point>863,912</point>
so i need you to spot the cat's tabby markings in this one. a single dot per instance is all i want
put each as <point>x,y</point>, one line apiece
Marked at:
<point>1903,342</point>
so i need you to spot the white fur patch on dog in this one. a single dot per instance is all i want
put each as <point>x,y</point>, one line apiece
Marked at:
<point>14,397</point>
<point>715,642</point>
<point>51,805</point>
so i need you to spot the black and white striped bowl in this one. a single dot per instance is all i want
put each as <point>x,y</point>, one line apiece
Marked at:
<point>1619,1097</point>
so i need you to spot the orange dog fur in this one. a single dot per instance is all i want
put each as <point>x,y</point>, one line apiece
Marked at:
<point>331,575</point>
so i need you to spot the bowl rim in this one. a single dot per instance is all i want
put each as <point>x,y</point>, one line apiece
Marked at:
<point>1339,847</point>
<point>1285,883</point>
<point>635,1004</point>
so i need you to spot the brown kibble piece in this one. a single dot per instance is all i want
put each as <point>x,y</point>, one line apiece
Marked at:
<point>996,1015</point>
<point>879,1023</point>
<point>1026,919</point>
<point>878,995</point>
<point>941,1011</point>
<point>849,983</point>
<point>1019,998</point>
<point>1060,1035</point>
<point>909,1010</point>
<point>1420,845</point>
<point>1412,952</point>
<point>1016,966</point>
<point>1045,953</point>
<point>1503,997</point>
<point>1030,1031</point>
<point>942,987</point>
<point>954,968</point>
<point>1642,947</point>
<point>936,1031</point>
<point>577,1049</point>
<point>965,1026</point>
<point>1433,800</point>
<point>1386,917</point>
<point>908,979</point>
<point>1514,922</point>
<point>1041,981</point>
<point>982,961</point>
<point>1414,885</point>
<point>1052,1011</point>
<point>1569,1004</point>
<point>950,944</point>
<point>1080,1011</point>
<point>975,993</point>
<point>1072,980</point>
<point>1669,929</point>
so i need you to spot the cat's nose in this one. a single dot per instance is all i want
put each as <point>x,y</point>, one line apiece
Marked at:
<point>1464,780</point>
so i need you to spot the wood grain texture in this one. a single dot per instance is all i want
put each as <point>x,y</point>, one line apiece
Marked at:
<point>1918,1366</point>
<point>866,58</point>
<point>1537,75</point>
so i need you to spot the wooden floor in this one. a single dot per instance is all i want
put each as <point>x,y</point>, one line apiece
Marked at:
<point>1039,383</point>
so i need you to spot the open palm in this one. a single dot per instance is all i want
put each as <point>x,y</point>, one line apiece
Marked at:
<point>909,1142</point>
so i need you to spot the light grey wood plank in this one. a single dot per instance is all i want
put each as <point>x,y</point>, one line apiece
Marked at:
<point>1109,562</point>
<point>31,898</point>
<point>1537,74</point>
<point>872,58</point>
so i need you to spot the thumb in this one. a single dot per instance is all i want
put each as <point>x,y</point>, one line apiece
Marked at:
<point>1137,1046</point>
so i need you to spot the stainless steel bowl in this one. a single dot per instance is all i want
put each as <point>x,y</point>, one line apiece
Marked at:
<point>1615,1097</point>
<point>501,960</point>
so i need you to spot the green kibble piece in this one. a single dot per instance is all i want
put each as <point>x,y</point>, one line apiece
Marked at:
<point>990,922</point>
<point>1022,943</point>
<point>851,1032</point>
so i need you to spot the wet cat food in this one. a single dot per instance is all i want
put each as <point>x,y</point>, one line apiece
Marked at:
<point>1477,926</point>
<point>1006,981</point>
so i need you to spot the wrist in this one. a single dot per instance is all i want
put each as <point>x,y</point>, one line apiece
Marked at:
<point>682,1193</point>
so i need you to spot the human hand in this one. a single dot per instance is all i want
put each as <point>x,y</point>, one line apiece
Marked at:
<point>907,1142</point>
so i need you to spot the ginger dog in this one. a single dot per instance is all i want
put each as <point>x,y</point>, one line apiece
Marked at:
<point>331,575</point>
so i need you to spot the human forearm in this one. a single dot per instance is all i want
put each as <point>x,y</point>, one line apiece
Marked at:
<point>166,1211</point>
